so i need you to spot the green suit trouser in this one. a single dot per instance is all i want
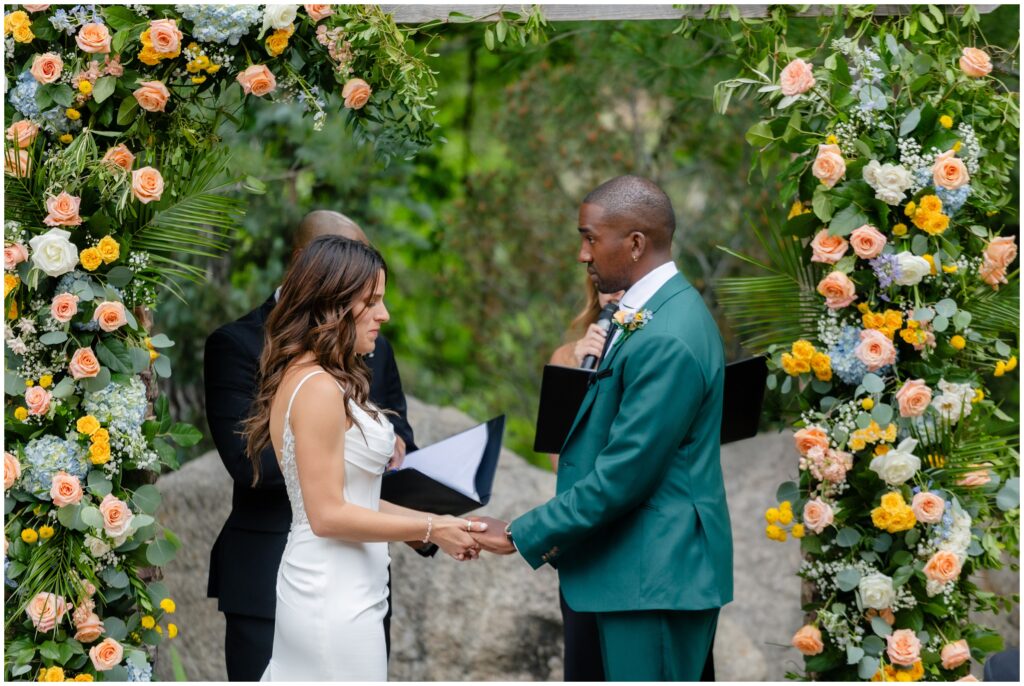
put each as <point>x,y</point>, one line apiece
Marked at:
<point>658,645</point>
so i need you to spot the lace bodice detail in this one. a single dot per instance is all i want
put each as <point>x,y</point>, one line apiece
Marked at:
<point>369,445</point>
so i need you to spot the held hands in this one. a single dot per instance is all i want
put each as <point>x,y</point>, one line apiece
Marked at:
<point>493,539</point>
<point>455,536</point>
<point>591,344</point>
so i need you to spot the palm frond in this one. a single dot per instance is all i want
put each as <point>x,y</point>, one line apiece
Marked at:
<point>769,310</point>
<point>997,313</point>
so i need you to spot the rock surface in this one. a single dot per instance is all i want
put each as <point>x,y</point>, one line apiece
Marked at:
<point>495,618</point>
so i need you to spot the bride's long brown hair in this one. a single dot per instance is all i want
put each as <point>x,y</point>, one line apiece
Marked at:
<point>329,278</point>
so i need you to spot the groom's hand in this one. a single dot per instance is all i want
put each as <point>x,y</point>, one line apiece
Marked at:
<point>494,539</point>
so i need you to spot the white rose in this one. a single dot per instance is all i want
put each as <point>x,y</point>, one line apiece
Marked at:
<point>876,591</point>
<point>279,16</point>
<point>890,181</point>
<point>97,547</point>
<point>912,268</point>
<point>950,407</point>
<point>53,252</point>
<point>898,465</point>
<point>960,390</point>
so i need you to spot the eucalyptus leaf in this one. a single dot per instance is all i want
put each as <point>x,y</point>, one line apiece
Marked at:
<point>910,122</point>
<point>53,337</point>
<point>919,245</point>
<point>98,483</point>
<point>868,665</point>
<point>161,341</point>
<point>162,366</point>
<point>98,382</point>
<point>946,307</point>
<point>848,537</point>
<point>873,645</point>
<point>160,552</point>
<point>848,579</point>
<point>854,654</point>
<point>788,491</point>
<point>880,626</point>
<point>1002,348</point>
<point>140,359</point>
<point>940,324</point>
<point>882,414</point>
<point>65,388</point>
<point>1008,497</point>
<point>147,499</point>
<point>873,383</point>
<point>91,517</point>
<point>120,276</point>
<point>924,314</point>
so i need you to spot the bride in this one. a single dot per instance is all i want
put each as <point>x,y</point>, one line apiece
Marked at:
<point>333,445</point>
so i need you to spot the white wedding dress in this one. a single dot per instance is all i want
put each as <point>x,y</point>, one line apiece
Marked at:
<point>332,595</point>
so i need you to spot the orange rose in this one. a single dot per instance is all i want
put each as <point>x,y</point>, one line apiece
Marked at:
<point>17,163</point>
<point>121,156</point>
<point>257,80</point>
<point>992,274</point>
<point>89,629</point>
<point>12,471</point>
<point>1001,251</point>
<point>904,648</point>
<point>808,640</point>
<point>975,63</point>
<point>93,38</point>
<point>356,93</point>
<point>110,315</point>
<point>152,96</point>
<point>928,507</point>
<point>913,398</point>
<point>165,35</point>
<point>64,307</point>
<point>117,518</point>
<point>867,242</point>
<point>47,68</point>
<point>838,290</point>
<point>827,248</point>
<point>973,479</point>
<point>817,515</point>
<point>46,610</point>
<point>943,567</point>
<point>810,437</point>
<point>22,133</point>
<point>147,184</point>
<point>797,78</point>
<point>875,350</point>
<point>318,12</point>
<point>829,166</point>
<point>37,399</point>
<point>65,489</point>
<point>949,171</point>
<point>84,364</point>
<point>106,654</point>
<point>955,654</point>
<point>63,210</point>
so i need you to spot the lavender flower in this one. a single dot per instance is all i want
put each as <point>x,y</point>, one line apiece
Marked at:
<point>887,270</point>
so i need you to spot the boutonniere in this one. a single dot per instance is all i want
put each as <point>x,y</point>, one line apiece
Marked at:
<point>629,323</point>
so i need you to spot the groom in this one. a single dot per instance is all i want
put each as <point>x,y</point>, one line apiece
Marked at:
<point>639,529</point>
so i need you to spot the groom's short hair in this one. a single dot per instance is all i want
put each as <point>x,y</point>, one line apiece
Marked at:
<point>326,223</point>
<point>641,203</point>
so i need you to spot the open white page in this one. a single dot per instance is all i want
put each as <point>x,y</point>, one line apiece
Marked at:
<point>453,461</point>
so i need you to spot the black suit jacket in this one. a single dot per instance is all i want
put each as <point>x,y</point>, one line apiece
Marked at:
<point>247,553</point>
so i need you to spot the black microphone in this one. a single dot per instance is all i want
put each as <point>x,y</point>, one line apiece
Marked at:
<point>604,320</point>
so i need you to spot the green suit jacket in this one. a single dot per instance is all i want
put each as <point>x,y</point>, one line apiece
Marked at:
<point>640,520</point>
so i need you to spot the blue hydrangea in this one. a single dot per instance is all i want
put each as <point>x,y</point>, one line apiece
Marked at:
<point>9,582</point>
<point>23,96</point>
<point>55,120</point>
<point>47,455</point>
<point>221,23</point>
<point>122,406</point>
<point>136,673</point>
<point>68,21</point>
<point>953,200</point>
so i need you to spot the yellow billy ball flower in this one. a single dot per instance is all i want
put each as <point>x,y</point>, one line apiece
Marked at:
<point>867,403</point>
<point>168,606</point>
<point>198,79</point>
<point>159,629</point>
<point>21,414</point>
<point>66,138</point>
<point>785,506</point>
<point>29,383</point>
<point>45,532</point>
<point>73,114</point>
<point>832,140</point>
<point>958,342</point>
<point>84,87</point>
<point>775,533</point>
<point>29,535</point>
<point>87,425</point>
<point>979,395</point>
<point>101,436</point>
<point>803,350</point>
<point>957,146</point>
<point>899,229</point>
<point>797,531</point>
<point>109,249</point>
<point>45,380</point>
<point>946,121</point>
<point>148,622</point>
<point>99,453</point>
<point>172,631</point>
<point>1011,363</point>
<point>1000,368</point>
<point>90,259</point>
<point>785,516</point>
<point>910,208</point>
<point>771,515</point>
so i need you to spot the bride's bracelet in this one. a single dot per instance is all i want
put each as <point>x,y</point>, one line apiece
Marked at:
<point>430,528</point>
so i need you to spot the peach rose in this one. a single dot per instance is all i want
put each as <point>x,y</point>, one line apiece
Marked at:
<point>810,437</point>
<point>875,350</point>
<point>949,171</point>
<point>17,163</point>
<point>904,648</point>
<point>974,479</point>
<point>817,515</point>
<point>46,610</point>
<point>943,567</point>
<point>37,399</point>
<point>928,507</point>
<point>257,80</point>
<point>808,640</point>
<point>147,184</point>
<point>797,78</point>
<point>47,68</point>
<point>838,290</point>
<point>65,489</point>
<point>165,35</point>
<point>14,254</point>
<point>992,274</point>
<point>12,470</point>
<point>1001,251</point>
<point>36,8</point>
<point>152,96</point>
<point>84,364</point>
<point>110,315</point>
<point>828,249</point>
<point>914,397</point>
<point>22,133</point>
<point>318,12</point>
<point>969,677</point>
<point>955,654</point>
<point>106,654</point>
<point>975,63</point>
<point>356,93</point>
<point>64,307</point>
<point>93,38</point>
<point>867,242</point>
<point>63,210</point>
<point>121,156</point>
<point>117,518</point>
<point>829,166</point>
<point>89,629</point>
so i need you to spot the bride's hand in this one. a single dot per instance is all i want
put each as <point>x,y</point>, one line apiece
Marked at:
<point>454,536</point>
<point>591,344</point>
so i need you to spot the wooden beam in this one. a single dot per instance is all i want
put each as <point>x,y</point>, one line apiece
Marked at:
<point>420,14</point>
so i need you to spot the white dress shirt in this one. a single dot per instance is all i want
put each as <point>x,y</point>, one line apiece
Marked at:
<point>642,291</point>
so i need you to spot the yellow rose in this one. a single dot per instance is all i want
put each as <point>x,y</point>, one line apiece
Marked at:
<point>881,518</point>
<point>936,224</point>
<point>213,69</point>
<point>857,443</point>
<point>789,364</point>
<point>946,121</point>
<point>192,67</point>
<point>101,436</point>
<point>801,366</point>
<point>957,146</point>
<point>931,203</point>
<point>53,674</point>
<point>99,453</point>
<point>14,20</point>
<point>899,229</point>
<point>803,350</point>
<point>23,34</point>
<point>149,56</point>
<point>890,433</point>
<point>796,210</point>
<point>109,249</point>
<point>821,363</point>
<point>87,425</point>
<point>203,62</point>
<point>29,535</point>
<point>892,500</point>
<point>277,42</point>
<point>90,259</point>
<point>21,414</point>
<point>881,449</point>
<point>11,282</point>
<point>910,209</point>
<point>84,677</point>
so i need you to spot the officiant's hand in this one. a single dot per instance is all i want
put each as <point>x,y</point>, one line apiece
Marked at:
<point>591,344</point>
<point>455,536</point>
<point>398,457</point>
<point>494,540</point>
